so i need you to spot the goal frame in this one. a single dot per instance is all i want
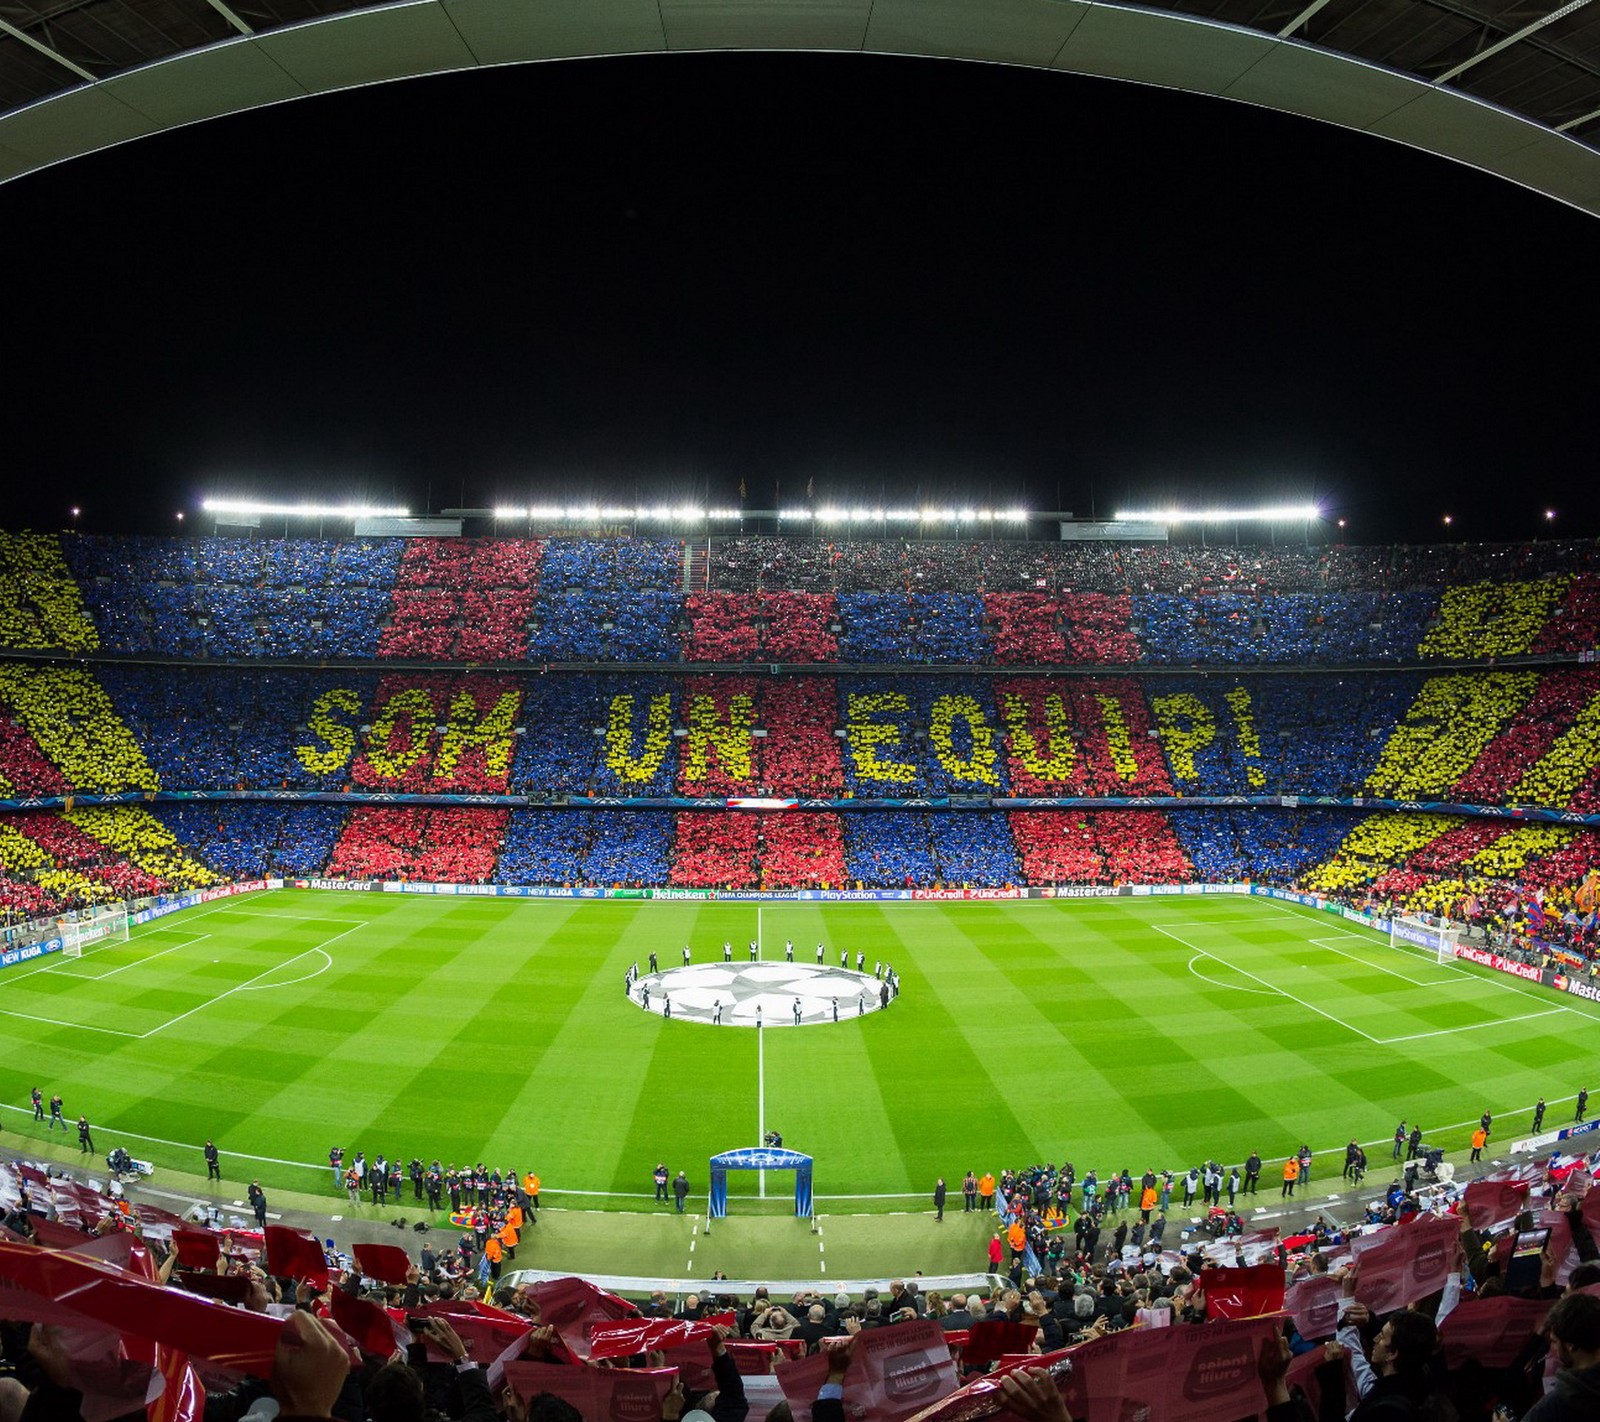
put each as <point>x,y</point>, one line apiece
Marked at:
<point>1440,937</point>
<point>103,923</point>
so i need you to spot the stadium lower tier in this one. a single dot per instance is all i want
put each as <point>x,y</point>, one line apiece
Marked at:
<point>53,860</point>
<point>1518,737</point>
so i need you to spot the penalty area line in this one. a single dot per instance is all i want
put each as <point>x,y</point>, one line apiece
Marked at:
<point>1271,987</point>
<point>1476,1026</point>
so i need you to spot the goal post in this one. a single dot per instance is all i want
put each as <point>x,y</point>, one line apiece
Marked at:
<point>104,923</point>
<point>1437,939</point>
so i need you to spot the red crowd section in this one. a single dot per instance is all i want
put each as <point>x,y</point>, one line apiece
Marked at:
<point>462,600</point>
<point>454,845</point>
<point>1125,846</point>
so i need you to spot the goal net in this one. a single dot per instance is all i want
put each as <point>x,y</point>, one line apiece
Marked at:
<point>1435,940</point>
<point>106,923</point>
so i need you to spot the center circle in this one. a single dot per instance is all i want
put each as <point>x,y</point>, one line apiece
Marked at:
<point>760,994</point>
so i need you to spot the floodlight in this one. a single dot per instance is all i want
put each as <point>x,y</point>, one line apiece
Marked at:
<point>258,509</point>
<point>1271,513</point>
<point>725,514</point>
<point>795,513</point>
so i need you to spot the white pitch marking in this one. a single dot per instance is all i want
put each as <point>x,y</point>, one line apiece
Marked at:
<point>1475,1026</point>
<point>112,972</point>
<point>761,1101</point>
<point>1327,945</point>
<point>78,1026</point>
<point>242,986</point>
<point>1492,978</point>
<point>327,963</point>
<point>1234,987</point>
<point>1309,1007</point>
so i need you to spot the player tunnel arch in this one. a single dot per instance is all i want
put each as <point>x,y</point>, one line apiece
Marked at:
<point>381,43</point>
<point>760,1158</point>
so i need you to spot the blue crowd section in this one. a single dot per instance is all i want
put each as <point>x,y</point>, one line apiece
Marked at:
<point>889,849</point>
<point>220,729</point>
<point>1229,846</point>
<point>940,627</point>
<point>565,748</point>
<point>620,625</point>
<point>974,849</point>
<point>894,849</point>
<point>586,848</point>
<point>1286,628</point>
<point>620,564</point>
<point>1314,735</point>
<point>249,841</point>
<point>226,597</point>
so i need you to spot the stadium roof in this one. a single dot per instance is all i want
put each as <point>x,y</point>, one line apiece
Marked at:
<point>1509,88</point>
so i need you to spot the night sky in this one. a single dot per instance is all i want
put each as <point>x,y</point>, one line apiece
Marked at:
<point>647,279</point>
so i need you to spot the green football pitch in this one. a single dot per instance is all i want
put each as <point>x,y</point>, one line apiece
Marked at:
<point>1113,1032</point>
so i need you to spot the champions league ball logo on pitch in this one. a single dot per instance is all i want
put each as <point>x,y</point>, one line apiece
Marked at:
<point>758,994</point>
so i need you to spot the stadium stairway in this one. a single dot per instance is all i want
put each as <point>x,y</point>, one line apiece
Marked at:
<point>696,566</point>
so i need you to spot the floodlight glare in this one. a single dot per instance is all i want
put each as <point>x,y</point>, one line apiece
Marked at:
<point>254,508</point>
<point>1271,513</point>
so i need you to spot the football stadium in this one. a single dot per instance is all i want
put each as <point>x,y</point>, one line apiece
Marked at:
<point>498,920</point>
<point>724,856</point>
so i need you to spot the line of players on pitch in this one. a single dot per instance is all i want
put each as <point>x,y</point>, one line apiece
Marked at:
<point>883,973</point>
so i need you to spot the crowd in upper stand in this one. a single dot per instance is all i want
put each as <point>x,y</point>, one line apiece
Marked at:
<point>791,599</point>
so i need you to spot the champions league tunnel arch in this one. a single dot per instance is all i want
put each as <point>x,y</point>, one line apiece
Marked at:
<point>760,1158</point>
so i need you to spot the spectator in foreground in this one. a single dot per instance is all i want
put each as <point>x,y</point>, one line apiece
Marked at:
<point>1574,1329</point>
<point>1397,1382</point>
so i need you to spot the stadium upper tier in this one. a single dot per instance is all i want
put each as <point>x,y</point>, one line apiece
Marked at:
<point>783,600</point>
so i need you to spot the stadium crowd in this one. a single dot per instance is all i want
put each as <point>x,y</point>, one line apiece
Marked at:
<point>1429,1309</point>
<point>1523,884</point>
<point>767,599</point>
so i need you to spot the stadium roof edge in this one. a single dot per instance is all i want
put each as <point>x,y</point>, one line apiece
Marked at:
<point>1475,88</point>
